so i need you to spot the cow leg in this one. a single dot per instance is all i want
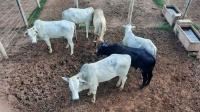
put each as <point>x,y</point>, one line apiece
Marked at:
<point>87,25</point>
<point>89,92</point>
<point>70,43</point>
<point>119,82</point>
<point>123,79</point>
<point>67,46</point>
<point>95,40</point>
<point>150,75</point>
<point>93,98</point>
<point>48,44</point>
<point>93,90</point>
<point>144,75</point>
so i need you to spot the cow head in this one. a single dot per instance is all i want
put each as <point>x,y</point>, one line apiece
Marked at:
<point>97,42</point>
<point>75,83</point>
<point>101,48</point>
<point>128,27</point>
<point>32,33</point>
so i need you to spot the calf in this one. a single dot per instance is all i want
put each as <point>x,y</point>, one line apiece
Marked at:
<point>140,58</point>
<point>92,74</point>
<point>52,29</point>
<point>134,41</point>
<point>99,23</point>
<point>79,16</point>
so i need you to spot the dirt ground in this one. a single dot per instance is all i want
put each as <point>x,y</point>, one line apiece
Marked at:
<point>30,79</point>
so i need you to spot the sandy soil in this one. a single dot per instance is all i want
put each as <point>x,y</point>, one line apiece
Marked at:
<point>30,79</point>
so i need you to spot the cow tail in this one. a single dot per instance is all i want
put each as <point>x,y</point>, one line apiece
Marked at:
<point>75,31</point>
<point>62,15</point>
<point>103,29</point>
<point>155,50</point>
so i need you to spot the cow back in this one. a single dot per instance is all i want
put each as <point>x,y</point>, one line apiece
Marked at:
<point>77,15</point>
<point>55,29</point>
<point>108,68</point>
<point>140,58</point>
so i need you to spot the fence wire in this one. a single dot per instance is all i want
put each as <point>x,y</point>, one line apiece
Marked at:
<point>11,22</point>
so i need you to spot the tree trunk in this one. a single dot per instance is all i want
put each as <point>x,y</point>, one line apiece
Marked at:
<point>130,11</point>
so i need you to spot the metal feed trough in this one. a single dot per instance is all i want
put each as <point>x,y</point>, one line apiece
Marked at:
<point>188,35</point>
<point>171,13</point>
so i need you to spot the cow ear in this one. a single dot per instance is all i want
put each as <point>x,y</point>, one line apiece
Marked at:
<point>123,26</point>
<point>83,81</point>
<point>65,79</point>
<point>133,27</point>
<point>105,42</point>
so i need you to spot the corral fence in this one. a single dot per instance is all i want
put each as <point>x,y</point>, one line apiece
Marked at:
<point>14,16</point>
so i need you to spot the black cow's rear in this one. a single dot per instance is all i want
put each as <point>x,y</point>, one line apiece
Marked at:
<point>140,58</point>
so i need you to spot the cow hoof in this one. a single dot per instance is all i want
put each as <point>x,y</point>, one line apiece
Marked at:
<point>120,89</point>
<point>89,94</point>
<point>92,101</point>
<point>50,51</point>
<point>141,87</point>
<point>117,85</point>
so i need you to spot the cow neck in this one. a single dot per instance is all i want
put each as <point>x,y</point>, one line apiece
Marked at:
<point>128,32</point>
<point>110,49</point>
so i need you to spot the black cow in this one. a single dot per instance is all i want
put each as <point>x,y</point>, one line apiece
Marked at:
<point>140,58</point>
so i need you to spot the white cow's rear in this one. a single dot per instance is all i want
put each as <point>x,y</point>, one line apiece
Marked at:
<point>79,16</point>
<point>92,74</point>
<point>52,29</point>
<point>134,41</point>
<point>99,23</point>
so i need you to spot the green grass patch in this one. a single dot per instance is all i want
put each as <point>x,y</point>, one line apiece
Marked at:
<point>196,26</point>
<point>82,26</point>
<point>159,3</point>
<point>164,26</point>
<point>36,12</point>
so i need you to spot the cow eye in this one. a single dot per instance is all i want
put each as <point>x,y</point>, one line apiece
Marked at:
<point>77,77</point>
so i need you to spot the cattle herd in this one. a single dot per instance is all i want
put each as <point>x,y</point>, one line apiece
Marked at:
<point>134,51</point>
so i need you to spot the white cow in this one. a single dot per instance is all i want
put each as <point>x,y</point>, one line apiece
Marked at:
<point>99,23</point>
<point>92,74</point>
<point>79,16</point>
<point>76,3</point>
<point>134,41</point>
<point>52,29</point>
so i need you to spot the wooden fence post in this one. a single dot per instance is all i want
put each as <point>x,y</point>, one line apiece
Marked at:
<point>22,12</point>
<point>38,3</point>
<point>168,2</point>
<point>76,3</point>
<point>3,51</point>
<point>186,7</point>
<point>130,12</point>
